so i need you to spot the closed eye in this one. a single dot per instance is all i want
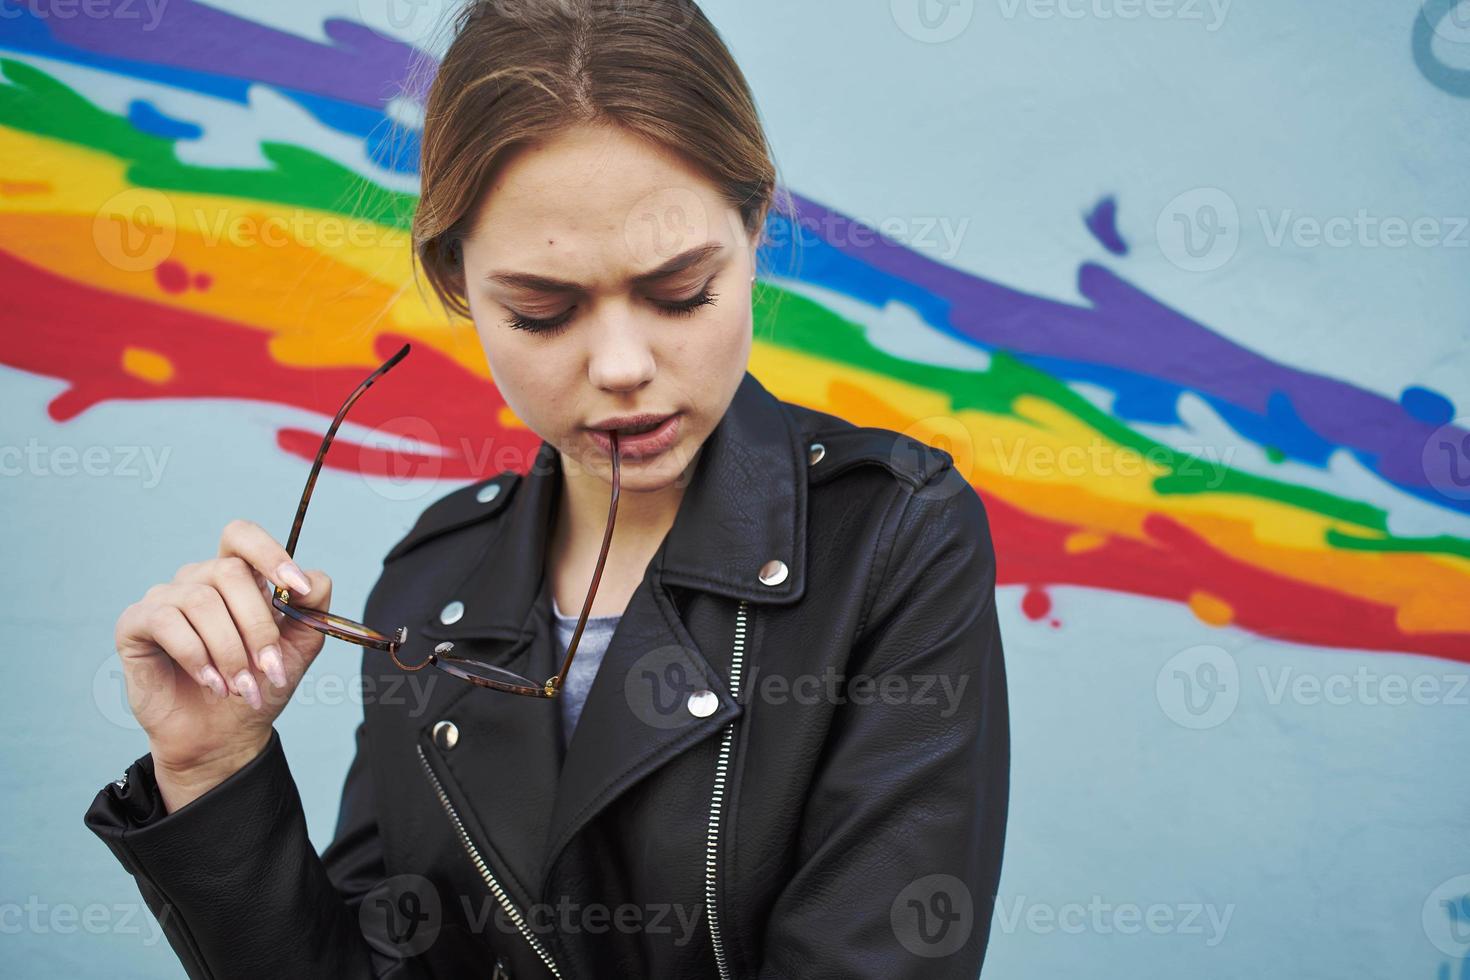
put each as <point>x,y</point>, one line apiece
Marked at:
<point>554,325</point>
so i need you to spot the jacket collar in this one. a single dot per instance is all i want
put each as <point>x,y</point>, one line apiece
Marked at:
<point>746,504</point>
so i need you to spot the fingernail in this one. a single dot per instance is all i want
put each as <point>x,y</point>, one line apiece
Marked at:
<point>211,679</point>
<point>270,662</point>
<point>289,573</point>
<point>245,684</point>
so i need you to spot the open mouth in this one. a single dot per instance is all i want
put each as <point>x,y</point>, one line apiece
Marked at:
<point>645,439</point>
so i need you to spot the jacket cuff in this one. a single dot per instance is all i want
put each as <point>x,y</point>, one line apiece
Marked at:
<point>129,814</point>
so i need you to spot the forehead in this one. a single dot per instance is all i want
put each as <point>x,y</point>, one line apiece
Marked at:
<point>595,202</point>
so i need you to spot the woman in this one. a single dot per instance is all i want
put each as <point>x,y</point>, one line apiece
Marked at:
<point>794,758</point>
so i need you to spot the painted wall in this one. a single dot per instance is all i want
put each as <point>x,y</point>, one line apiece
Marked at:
<point>1181,284</point>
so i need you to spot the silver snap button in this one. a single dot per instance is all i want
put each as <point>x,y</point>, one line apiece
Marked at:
<point>815,454</point>
<point>702,704</point>
<point>451,613</point>
<point>773,572</point>
<point>488,493</point>
<point>446,734</point>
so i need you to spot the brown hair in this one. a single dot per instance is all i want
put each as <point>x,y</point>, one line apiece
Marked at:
<point>523,70</point>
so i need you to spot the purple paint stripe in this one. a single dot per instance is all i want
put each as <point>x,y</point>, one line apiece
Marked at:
<point>1131,331</point>
<point>360,67</point>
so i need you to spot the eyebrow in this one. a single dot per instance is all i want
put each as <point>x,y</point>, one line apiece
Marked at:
<point>680,262</point>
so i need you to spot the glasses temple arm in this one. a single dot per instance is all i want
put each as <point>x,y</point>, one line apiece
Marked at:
<point>612,513</point>
<point>321,454</point>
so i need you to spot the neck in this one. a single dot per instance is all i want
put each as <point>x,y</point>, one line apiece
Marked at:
<point>643,520</point>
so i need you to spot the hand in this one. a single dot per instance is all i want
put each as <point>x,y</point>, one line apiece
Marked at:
<point>209,663</point>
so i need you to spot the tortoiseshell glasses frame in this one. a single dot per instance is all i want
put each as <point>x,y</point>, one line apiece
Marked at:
<point>480,674</point>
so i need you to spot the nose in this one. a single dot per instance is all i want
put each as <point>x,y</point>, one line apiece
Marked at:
<point>620,353</point>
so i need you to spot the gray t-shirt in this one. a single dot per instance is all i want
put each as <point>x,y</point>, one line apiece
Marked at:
<point>596,635</point>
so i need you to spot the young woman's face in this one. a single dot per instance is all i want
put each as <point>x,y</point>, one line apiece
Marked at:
<point>607,278</point>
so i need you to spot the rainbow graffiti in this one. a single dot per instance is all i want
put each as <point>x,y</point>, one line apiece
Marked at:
<point>215,254</point>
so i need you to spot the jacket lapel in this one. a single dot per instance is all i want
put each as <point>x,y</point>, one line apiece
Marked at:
<point>745,506</point>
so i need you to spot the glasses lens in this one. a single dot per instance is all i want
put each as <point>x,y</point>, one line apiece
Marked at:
<point>485,675</point>
<point>342,629</point>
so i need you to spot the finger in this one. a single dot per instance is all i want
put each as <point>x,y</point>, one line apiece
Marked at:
<point>210,617</point>
<point>320,597</point>
<point>235,581</point>
<point>299,638</point>
<point>145,628</point>
<point>248,540</point>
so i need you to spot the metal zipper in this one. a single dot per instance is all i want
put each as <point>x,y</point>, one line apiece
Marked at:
<point>474,853</point>
<point>717,800</point>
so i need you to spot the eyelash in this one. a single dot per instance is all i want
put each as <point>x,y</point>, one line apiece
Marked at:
<point>556,324</point>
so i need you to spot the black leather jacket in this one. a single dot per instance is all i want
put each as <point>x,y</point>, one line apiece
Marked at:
<point>806,778</point>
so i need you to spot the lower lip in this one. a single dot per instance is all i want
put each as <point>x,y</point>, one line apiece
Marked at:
<point>645,444</point>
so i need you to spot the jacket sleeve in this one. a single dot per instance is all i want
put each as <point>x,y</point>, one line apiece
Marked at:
<point>234,881</point>
<point>901,839</point>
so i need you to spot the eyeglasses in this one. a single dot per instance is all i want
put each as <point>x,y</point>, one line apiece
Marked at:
<point>483,675</point>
